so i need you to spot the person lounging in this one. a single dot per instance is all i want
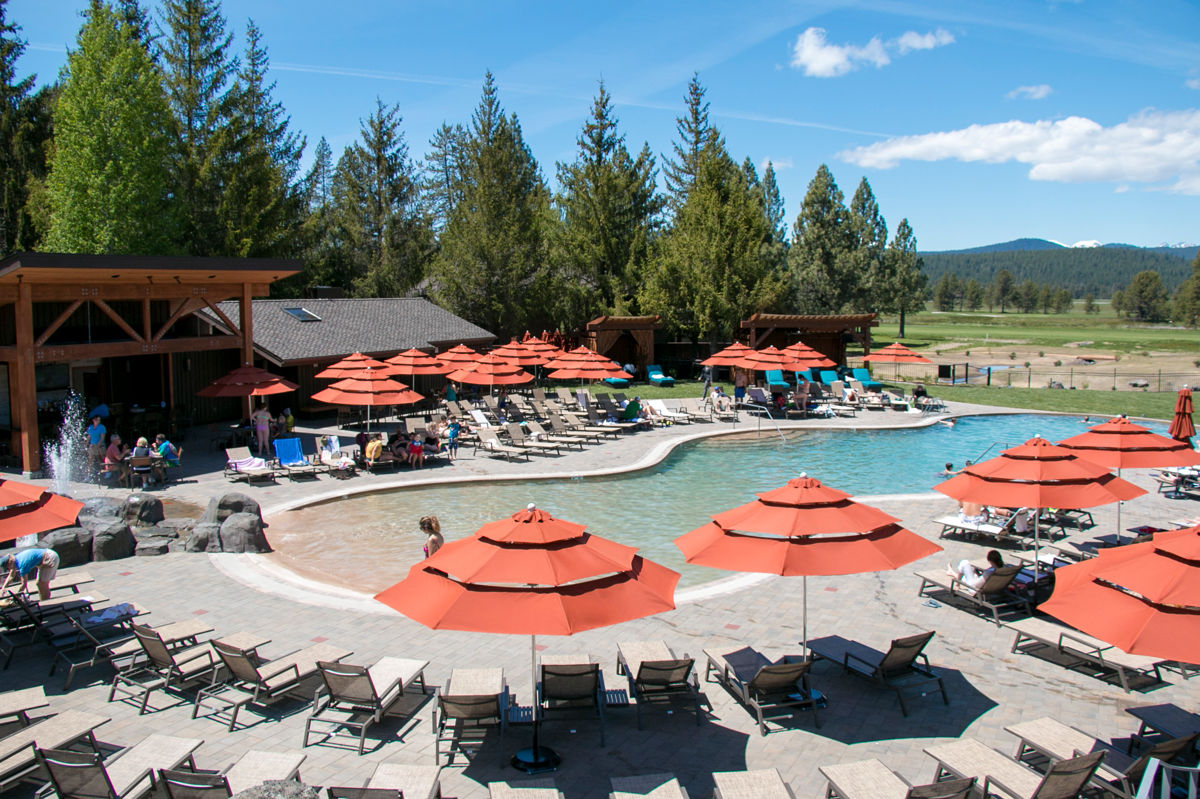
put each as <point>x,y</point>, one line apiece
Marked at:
<point>967,573</point>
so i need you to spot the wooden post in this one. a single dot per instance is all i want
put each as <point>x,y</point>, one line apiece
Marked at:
<point>246,323</point>
<point>24,389</point>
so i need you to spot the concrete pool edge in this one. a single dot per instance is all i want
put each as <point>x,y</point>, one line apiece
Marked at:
<point>268,575</point>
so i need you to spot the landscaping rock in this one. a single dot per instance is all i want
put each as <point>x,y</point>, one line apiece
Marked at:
<point>241,532</point>
<point>202,534</point>
<point>222,507</point>
<point>280,789</point>
<point>73,545</point>
<point>113,542</point>
<point>101,507</point>
<point>153,545</point>
<point>142,510</point>
<point>175,528</point>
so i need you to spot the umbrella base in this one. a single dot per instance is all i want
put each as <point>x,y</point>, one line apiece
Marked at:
<point>1176,495</point>
<point>536,760</point>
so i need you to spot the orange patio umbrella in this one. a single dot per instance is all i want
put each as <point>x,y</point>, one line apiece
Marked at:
<point>801,356</point>
<point>415,362</point>
<point>762,360</point>
<point>369,388</point>
<point>1142,598</point>
<point>728,356</point>
<point>541,346</point>
<point>584,364</point>
<point>247,381</point>
<point>29,510</point>
<point>1182,427</point>
<point>353,365</point>
<point>458,355</point>
<point>532,574</point>
<point>518,354</point>
<point>804,528</point>
<point>895,353</point>
<point>1037,475</point>
<point>488,370</point>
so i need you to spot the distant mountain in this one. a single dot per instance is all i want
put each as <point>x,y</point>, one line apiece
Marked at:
<point>1015,245</point>
<point>1185,251</point>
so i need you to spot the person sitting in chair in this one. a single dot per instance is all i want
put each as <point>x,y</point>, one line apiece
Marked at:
<point>968,574</point>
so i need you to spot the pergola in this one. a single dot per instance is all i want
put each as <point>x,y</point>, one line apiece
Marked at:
<point>65,309</point>
<point>827,334</point>
<point>624,339</point>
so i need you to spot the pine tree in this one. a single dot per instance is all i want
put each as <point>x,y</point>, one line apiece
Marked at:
<point>820,257</point>
<point>1146,299</point>
<point>695,135</point>
<point>1187,299</point>
<point>442,184</point>
<point>973,295</point>
<point>908,281</point>
<point>868,234</point>
<point>1089,303</point>
<point>609,212</point>
<point>21,141</point>
<point>492,265</point>
<point>260,202</point>
<point>195,56</point>
<point>106,189</point>
<point>1003,288</point>
<point>943,292</point>
<point>386,236</point>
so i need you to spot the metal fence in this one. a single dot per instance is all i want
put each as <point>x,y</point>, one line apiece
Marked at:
<point>1096,378</point>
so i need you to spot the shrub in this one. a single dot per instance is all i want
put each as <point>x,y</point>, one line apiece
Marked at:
<point>1058,363</point>
<point>1027,364</point>
<point>1041,354</point>
<point>1012,356</point>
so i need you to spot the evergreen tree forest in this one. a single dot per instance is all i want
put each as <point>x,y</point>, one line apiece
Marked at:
<point>197,157</point>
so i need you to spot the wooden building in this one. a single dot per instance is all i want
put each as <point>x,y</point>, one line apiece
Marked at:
<point>827,334</point>
<point>116,328</point>
<point>624,339</point>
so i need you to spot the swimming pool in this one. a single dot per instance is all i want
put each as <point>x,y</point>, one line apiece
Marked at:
<point>374,537</point>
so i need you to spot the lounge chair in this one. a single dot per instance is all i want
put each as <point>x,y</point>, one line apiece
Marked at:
<point>559,425</point>
<point>336,462</point>
<point>601,421</point>
<point>659,408</point>
<point>16,704</point>
<point>524,789</point>
<point>127,775</point>
<point>17,759</point>
<point>828,377</point>
<point>1007,531</point>
<point>566,439</point>
<point>165,669</point>
<point>996,593</point>
<point>757,396</point>
<point>292,460</point>
<point>241,465</point>
<point>613,415</point>
<point>616,382</point>
<point>655,375</point>
<point>763,685</point>
<point>355,697</point>
<point>570,688</point>
<point>376,459</point>
<point>871,779</point>
<point>253,680</point>
<point>699,410</point>
<point>124,650</point>
<point>863,375</point>
<point>760,784</point>
<point>1038,633</point>
<point>657,677</point>
<point>897,668</point>
<point>461,723</point>
<point>490,443</point>
<point>967,757</point>
<point>407,779</point>
<point>516,434</point>
<point>775,381</point>
<point>646,786</point>
<point>252,768</point>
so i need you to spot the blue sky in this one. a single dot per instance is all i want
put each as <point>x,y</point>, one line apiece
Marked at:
<point>978,121</point>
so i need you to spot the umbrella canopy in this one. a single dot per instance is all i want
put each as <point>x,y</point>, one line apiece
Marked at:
<point>415,362</point>
<point>1182,427</point>
<point>489,370</point>
<point>800,356</point>
<point>728,356</point>
<point>1037,474</point>
<point>247,381</point>
<point>584,364</point>
<point>540,346</point>
<point>1142,598</point>
<point>1121,444</point>
<point>352,365</point>
<point>896,353</point>
<point>518,354</point>
<point>370,387</point>
<point>804,528</point>
<point>763,360</point>
<point>44,511</point>
<point>458,355</point>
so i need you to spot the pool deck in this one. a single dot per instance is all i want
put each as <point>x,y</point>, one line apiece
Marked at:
<point>989,687</point>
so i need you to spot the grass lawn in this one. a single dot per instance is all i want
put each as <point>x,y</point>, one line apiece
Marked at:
<point>1098,403</point>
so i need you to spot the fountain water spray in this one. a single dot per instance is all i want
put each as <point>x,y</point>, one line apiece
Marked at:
<point>65,459</point>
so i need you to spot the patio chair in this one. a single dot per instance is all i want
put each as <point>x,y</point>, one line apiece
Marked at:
<point>898,668</point>
<point>1038,633</point>
<point>241,465</point>
<point>292,459</point>
<point>828,377</point>
<point>410,780</point>
<point>646,786</point>
<point>590,422</point>
<point>871,779</point>
<point>254,681</point>
<point>664,682</point>
<point>461,723</point>
<point>17,759</point>
<point>558,425</point>
<point>775,381</point>
<point>760,784</point>
<point>759,397</point>
<point>355,697</point>
<point>1122,773</point>
<point>994,595</point>
<point>863,375</point>
<point>525,789</point>
<point>126,775</point>
<point>490,443</point>
<point>165,669</point>
<point>516,434</point>
<point>566,439</point>
<point>251,769</point>
<point>655,374</point>
<point>967,757</point>
<point>675,417</point>
<point>571,688</point>
<point>87,645</point>
<point>763,685</point>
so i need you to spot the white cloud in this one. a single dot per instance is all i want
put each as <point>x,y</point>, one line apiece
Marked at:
<point>1192,83</point>
<point>1039,92</point>
<point>777,163</point>
<point>814,54</point>
<point>1160,148</point>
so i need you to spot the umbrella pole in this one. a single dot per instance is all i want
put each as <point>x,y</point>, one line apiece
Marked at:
<point>1119,504</point>
<point>536,759</point>
<point>804,614</point>
<point>1037,547</point>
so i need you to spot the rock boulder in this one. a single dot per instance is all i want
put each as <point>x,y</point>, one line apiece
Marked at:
<point>202,535</point>
<point>241,532</point>
<point>112,542</point>
<point>222,507</point>
<point>142,510</point>
<point>73,545</point>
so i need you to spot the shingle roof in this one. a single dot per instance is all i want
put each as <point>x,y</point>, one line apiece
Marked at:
<point>384,325</point>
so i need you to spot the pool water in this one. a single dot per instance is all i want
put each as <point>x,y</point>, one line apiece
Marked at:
<point>371,540</point>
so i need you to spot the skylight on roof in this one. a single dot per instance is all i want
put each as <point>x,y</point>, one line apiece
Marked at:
<point>303,314</point>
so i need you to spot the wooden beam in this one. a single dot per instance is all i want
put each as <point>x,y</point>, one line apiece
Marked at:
<point>145,319</point>
<point>246,310</point>
<point>24,388</point>
<point>221,315</point>
<point>184,308</point>
<point>116,317</point>
<point>125,349</point>
<point>57,323</point>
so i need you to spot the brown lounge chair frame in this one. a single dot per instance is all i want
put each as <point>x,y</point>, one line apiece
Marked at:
<point>993,596</point>
<point>763,685</point>
<point>897,668</point>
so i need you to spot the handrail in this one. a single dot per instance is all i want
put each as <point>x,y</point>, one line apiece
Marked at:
<point>765,409</point>
<point>1168,777</point>
<point>992,446</point>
